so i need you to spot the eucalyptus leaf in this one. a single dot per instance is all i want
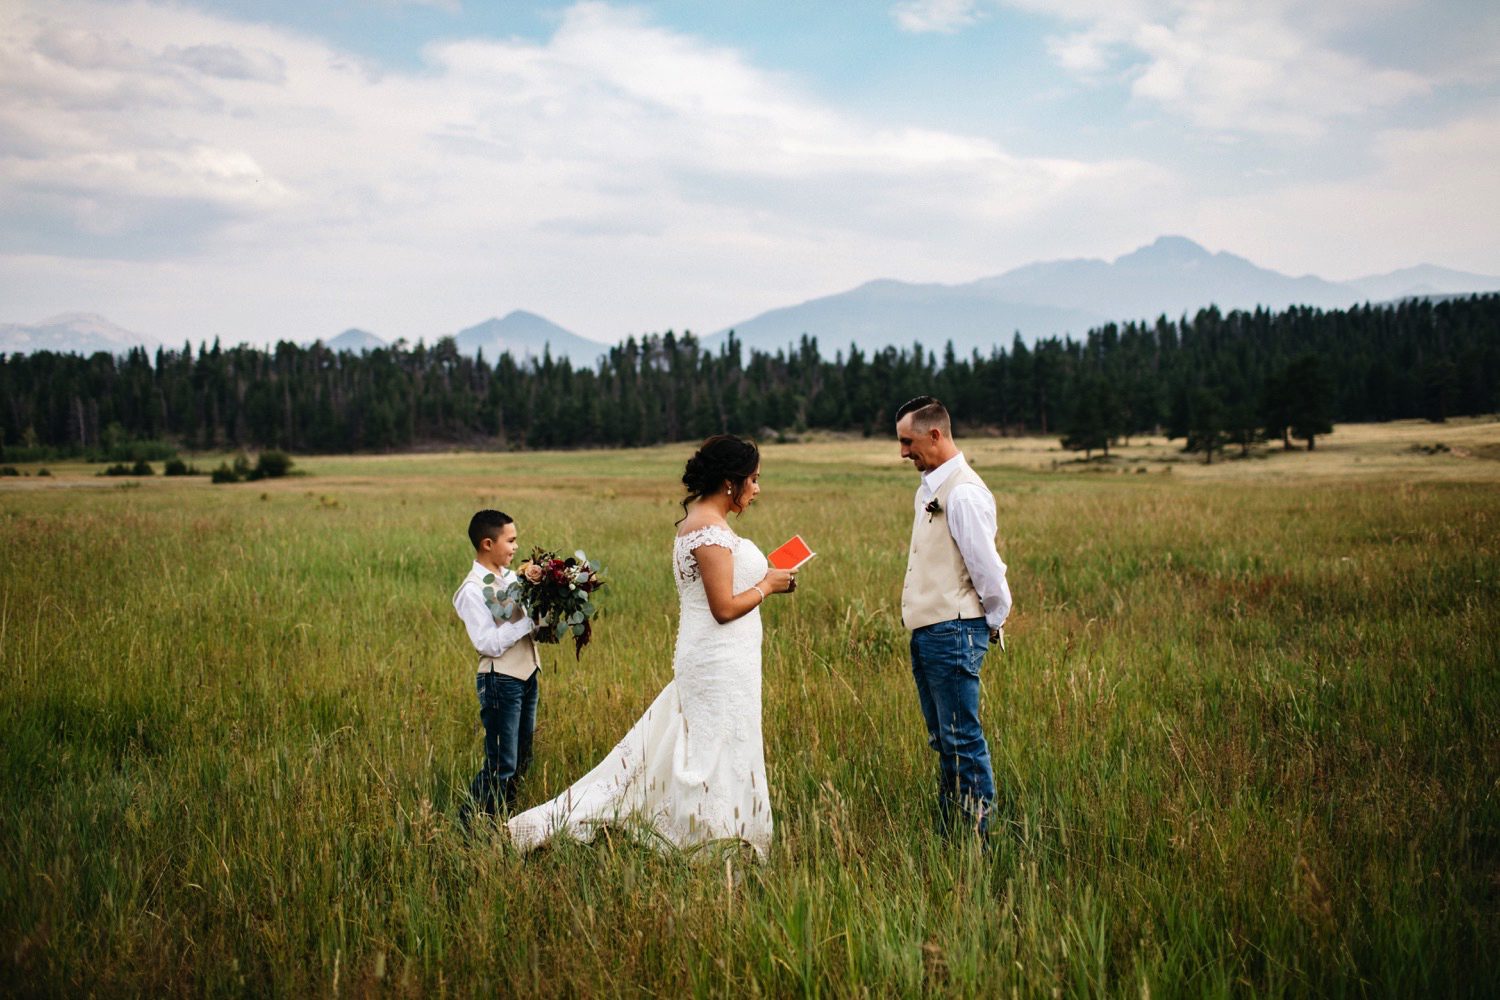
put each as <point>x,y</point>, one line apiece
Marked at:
<point>488,578</point>
<point>578,630</point>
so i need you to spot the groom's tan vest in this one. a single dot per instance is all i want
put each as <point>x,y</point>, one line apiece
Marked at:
<point>519,661</point>
<point>938,588</point>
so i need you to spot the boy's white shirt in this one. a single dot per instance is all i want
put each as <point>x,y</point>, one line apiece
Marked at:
<point>489,639</point>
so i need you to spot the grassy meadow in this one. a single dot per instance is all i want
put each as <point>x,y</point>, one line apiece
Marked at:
<point>1247,733</point>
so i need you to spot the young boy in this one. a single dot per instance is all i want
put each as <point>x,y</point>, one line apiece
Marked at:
<point>508,666</point>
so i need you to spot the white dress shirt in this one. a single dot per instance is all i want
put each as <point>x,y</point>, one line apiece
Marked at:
<point>971,522</point>
<point>489,639</point>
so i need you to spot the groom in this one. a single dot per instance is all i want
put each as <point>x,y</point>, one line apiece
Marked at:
<point>954,601</point>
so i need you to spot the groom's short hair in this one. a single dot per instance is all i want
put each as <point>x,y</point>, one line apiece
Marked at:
<point>926,412</point>
<point>487,524</point>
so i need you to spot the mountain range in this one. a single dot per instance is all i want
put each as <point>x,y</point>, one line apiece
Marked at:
<point>1172,276</point>
<point>519,333</point>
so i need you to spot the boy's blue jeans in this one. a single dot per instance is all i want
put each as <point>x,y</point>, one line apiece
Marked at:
<point>945,661</point>
<point>507,707</point>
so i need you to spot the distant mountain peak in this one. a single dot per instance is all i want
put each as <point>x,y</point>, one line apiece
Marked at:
<point>91,323</point>
<point>1170,250</point>
<point>525,334</point>
<point>516,319</point>
<point>1423,279</point>
<point>355,339</point>
<point>80,332</point>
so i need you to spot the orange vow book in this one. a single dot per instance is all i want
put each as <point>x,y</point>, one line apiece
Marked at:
<point>791,555</point>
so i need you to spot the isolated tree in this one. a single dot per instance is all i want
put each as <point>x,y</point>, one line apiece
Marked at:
<point>1309,395</point>
<point>1086,431</point>
<point>1275,408</point>
<point>1205,423</point>
<point>1096,419</point>
<point>1241,419</point>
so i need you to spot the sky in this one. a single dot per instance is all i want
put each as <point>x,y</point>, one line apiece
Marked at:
<point>287,170</point>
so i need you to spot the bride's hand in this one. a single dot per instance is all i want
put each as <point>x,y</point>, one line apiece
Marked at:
<point>779,581</point>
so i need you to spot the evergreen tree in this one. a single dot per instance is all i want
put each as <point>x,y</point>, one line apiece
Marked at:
<point>1276,408</point>
<point>1096,417</point>
<point>1206,423</point>
<point>1309,392</point>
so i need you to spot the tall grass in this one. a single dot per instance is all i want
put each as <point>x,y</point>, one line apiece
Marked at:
<point>1245,734</point>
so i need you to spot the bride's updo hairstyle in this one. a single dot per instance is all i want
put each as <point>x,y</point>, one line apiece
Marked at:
<point>721,458</point>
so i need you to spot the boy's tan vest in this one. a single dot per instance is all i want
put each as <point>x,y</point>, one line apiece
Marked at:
<point>937,587</point>
<point>519,661</point>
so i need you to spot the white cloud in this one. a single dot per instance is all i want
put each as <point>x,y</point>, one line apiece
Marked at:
<point>1237,68</point>
<point>1267,68</point>
<point>618,176</point>
<point>1429,197</point>
<point>1086,53</point>
<point>939,16</point>
<point>228,62</point>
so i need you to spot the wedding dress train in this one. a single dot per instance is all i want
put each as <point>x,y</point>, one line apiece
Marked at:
<point>692,770</point>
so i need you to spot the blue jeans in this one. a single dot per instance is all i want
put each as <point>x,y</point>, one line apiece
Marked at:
<point>945,661</point>
<point>507,707</point>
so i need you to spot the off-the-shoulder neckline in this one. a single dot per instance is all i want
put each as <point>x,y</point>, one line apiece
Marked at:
<point>706,527</point>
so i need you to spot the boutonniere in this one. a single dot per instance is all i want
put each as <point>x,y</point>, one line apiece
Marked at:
<point>933,507</point>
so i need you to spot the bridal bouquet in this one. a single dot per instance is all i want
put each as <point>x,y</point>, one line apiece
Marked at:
<point>556,595</point>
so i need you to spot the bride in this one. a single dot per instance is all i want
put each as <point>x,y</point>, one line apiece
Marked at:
<point>692,770</point>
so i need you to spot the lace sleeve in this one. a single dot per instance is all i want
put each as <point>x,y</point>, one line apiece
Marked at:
<point>687,563</point>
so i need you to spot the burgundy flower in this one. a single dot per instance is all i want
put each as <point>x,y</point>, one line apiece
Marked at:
<point>555,600</point>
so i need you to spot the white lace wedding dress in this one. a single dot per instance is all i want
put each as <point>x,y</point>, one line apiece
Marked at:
<point>693,769</point>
